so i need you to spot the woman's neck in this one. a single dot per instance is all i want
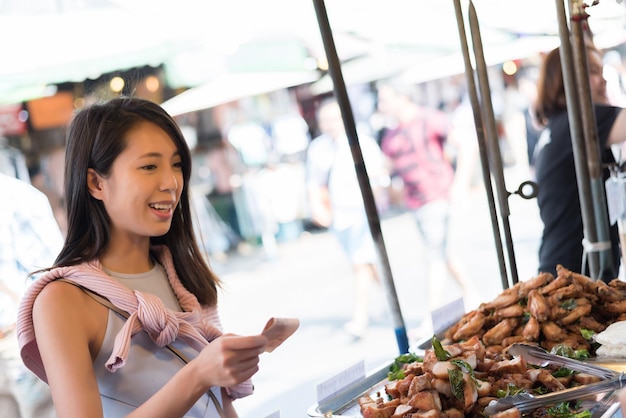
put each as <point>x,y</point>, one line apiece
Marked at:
<point>127,259</point>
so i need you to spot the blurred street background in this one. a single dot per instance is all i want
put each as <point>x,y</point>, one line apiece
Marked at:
<point>244,79</point>
<point>310,279</point>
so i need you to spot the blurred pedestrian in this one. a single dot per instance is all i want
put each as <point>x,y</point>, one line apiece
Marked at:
<point>414,144</point>
<point>558,197</point>
<point>30,238</point>
<point>336,202</point>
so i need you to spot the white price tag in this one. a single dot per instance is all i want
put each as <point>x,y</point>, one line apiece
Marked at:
<point>447,315</point>
<point>615,198</point>
<point>340,381</point>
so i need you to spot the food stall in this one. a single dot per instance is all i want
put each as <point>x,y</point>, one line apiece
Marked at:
<point>538,344</point>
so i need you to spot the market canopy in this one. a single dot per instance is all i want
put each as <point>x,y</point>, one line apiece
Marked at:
<point>233,86</point>
<point>48,42</point>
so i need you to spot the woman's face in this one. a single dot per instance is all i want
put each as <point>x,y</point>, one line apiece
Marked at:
<point>597,82</point>
<point>145,184</point>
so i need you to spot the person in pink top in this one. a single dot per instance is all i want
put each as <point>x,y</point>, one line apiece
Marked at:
<point>414,145</point>
<point>131,240</point>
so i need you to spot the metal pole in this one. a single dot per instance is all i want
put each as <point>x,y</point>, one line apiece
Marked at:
<point>578,145</point>
<point>341,94</point>
<point>602,248</point>
<point>482,146</point>
<point>493,141</point>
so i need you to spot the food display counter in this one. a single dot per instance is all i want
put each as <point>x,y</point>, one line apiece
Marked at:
<point>534,347</point>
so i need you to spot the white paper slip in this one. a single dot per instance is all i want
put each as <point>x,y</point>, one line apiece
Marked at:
<point>343,379</point>
<point>447,315</point>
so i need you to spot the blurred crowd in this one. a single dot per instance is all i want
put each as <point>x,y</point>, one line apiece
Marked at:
<point>268,168</point>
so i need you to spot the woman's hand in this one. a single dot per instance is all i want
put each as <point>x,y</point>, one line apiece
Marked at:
<point>229,360</point>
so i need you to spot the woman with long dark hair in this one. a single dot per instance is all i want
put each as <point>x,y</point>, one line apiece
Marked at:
<point>130,267</point>
<point>558,198</point>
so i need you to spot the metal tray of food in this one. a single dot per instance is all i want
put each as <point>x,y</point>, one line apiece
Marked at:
<point>344,404</point>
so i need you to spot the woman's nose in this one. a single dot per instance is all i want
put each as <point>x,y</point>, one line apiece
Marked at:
<point>169,182</point>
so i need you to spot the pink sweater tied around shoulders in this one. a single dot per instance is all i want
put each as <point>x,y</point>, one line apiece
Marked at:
<point>197,325</point>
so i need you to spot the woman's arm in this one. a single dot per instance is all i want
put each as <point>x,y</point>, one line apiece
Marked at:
<point>618,130</point>
<point>70,328</point>
<point>227,404</point>
<point>226,361</point>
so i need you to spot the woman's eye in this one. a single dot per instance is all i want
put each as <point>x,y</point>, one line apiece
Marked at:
<point>178,164</point>
<point>149,167</point>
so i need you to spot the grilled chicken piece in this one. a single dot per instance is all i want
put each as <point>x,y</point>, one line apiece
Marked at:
<point>539,280</point>
<point>549,381</point>
<point>506,298</point>
<point>508,413</point>
<point>559,282</point>
<point>588,322</point>
<point>511,311</point>
<point>531,329</point>
<point>552,331</point>
<point>616,307</point>
<point>453,413</point>
<point>583,309</point>
<point>470,326</point>
<point>402,411</point>
<point>499,332</point>
<point>420,383</point>
<point>571,291</point>
<point>538,305</point>
<point>425,401</point>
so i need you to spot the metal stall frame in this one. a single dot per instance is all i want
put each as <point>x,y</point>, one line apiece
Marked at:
<point>588,167</point>
<point>596,243</point>
<point>371,210</point>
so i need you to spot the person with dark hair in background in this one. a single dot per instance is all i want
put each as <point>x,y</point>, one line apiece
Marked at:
<point>558,197</point>
<point>131,267</point>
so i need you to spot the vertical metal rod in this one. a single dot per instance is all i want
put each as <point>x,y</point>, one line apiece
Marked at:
<point>601,249</point>
<point>578,145</point>
<point>492,139</point>
<point>341,95</point>
<point>482,146</point>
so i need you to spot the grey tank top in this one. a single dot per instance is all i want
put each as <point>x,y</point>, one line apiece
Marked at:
<point>148,367</point>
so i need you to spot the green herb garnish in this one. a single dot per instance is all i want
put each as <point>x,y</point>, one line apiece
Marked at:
<point>568,304</point>
<point>456,383</point>
<point>396,371</point>
<point>511,390</point>
<point>587,334</point>
<point>563,372</point>
<point>440,353</point>
<point>563,410</point>
<point>466,368</point>
<point>569,352</point>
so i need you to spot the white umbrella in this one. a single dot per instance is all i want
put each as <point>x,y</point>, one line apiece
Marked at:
<point>233,86</point>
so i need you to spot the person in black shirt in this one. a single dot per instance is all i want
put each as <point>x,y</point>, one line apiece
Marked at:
<point>558,198</point>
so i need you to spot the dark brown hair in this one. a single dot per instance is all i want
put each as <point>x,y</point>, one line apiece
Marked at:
<point>551,98</point>
<point>95,138</point>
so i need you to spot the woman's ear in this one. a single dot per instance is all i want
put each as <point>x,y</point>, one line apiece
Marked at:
<point>94,184</point>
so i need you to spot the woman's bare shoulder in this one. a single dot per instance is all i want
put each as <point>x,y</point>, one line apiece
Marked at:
<point>60,292</point>
<point>62,301</point>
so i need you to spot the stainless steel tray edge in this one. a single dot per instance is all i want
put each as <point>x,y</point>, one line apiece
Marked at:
<point>350,393</point>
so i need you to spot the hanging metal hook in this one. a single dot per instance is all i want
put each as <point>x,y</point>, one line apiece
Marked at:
<point>527,190</point>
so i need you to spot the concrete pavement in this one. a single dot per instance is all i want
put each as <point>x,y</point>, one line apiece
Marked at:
<point>311,280</point>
